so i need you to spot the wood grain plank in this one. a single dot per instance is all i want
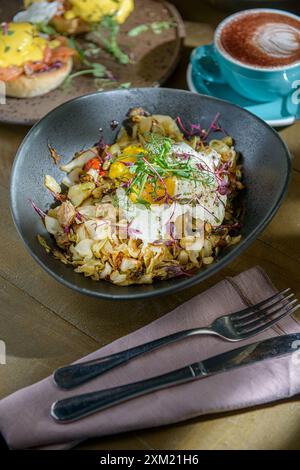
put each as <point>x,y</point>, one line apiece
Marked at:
<point>284,231</point>
<point>10,138</point>
<point>37,340</point>
<point>132,441</point>
<point>244,430</point>
<point>291,135</point>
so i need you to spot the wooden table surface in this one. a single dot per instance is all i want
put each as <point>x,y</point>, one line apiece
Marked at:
<point>44,324</point>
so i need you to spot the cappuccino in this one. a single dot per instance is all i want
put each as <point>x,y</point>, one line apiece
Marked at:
<point>262,39</point>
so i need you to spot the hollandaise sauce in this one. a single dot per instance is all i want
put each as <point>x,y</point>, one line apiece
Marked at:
<point>92,11</point>
<point>19,44</point>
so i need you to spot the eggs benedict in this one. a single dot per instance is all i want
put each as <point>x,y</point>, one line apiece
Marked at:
<point>31,64</point>
<point>78,16</point>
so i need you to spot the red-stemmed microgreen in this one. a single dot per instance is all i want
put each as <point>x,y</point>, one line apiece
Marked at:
<point>39,211</point>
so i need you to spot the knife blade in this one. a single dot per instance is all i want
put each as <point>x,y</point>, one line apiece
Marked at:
<point>79,406</point>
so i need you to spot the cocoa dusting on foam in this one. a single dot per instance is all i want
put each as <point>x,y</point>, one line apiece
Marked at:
<point>263,39</point>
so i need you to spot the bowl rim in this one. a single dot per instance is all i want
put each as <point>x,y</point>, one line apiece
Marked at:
<point>182,283</point>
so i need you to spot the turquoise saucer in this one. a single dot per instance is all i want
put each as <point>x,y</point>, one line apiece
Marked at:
<point>274,112</point>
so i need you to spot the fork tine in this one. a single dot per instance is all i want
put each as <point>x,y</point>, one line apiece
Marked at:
<point>265,318</point>
<point>249,310</point>
<point>259,329</point>
<point>260,314</point>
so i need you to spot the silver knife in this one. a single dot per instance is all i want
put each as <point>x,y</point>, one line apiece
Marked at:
<point>76,407</point>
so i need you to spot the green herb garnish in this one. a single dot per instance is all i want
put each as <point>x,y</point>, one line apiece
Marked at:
<point>158,162</point>
<point>105,83</point>
<point>92,50</point>
<point>106,32</point>
<point>125,85</point>
<point>45,28</point>
<point>157,27</point>
<point>81,53</point>
<point>141,28</point>
<point>97,71</point>
<point>94,69</point>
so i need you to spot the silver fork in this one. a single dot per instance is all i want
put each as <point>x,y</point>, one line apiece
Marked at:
<point>234,327</point>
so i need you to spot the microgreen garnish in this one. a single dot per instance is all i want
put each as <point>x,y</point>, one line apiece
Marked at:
<point>106,32</point>
<point>39,211</point>
<point>198,130</point>
<point>81,53</point>
<point>137,30</point>
<point>125,85</point>
<point>157,163</point>
<point>91,50</point>
<point>96,70</point>
<point>157,27</point>
<point>177,271</point>
<point>45,28</point>
<point>214,125</point>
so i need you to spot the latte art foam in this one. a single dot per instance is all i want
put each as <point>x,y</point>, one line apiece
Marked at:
<point>262,39</point>
<point>277,40</point>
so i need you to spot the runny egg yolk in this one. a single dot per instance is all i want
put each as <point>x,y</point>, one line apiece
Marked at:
<point>153,193</point>
<point>121,168</point>
<point>19,44</point>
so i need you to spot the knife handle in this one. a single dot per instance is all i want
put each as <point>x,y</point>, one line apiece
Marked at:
<point>76,374</point>
<point>76,407</point>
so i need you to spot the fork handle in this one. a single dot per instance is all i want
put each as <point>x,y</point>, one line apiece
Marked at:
<point>76,407</point>
<point>77,374</point>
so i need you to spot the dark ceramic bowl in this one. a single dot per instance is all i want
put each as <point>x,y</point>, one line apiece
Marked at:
<point>76,124</point>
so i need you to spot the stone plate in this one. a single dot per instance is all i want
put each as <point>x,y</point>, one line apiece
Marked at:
<point>155,57</point>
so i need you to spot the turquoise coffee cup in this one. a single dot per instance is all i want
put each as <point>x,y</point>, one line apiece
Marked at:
<point>214,64</point>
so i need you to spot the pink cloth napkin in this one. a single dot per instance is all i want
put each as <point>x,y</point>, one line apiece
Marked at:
<point>24,415</point>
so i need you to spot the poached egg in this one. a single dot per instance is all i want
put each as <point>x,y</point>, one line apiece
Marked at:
<point>194,200</point>
<point>20,43</point>
<point>91,11</point>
